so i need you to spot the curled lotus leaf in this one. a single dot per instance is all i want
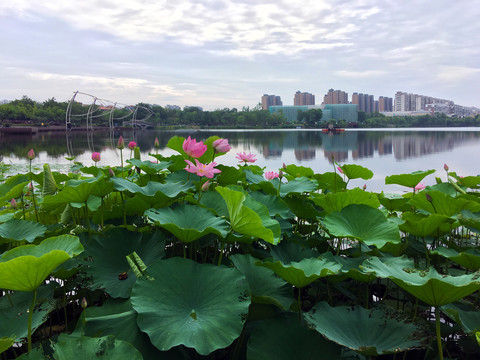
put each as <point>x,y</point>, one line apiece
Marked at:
<point>409,180</point>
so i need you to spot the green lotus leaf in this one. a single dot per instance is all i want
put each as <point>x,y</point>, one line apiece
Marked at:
<point>423,225</point>
<point>351,268</point>
<point>298,171</point>
<point>287,338</point>
<point>369,332</point>
<point>244,220</point>
<point>302,206</point>
<point>332,202</point>
<point>214,201</point>
<point>24,268</point>
<point>6,343</point>
<point>188,222</point>
<point>304,272</point>
<point>363,223</point>
<point>22,230</point>
<point>170,189</point>
<point>197,305</point>
<point>14,318</point>
<point>469,219</point>
<point>107,347</point>
<point>229,175</point>
<point>469,258</point>
<point>443,204</point>
<point>394,202</point>
<point>409,180</point>
<point>353,171</point>
<point>276,206</point>
<point>289,251</point>
<point>299,186</point>
<point>472,182</point>
<point>267,186</point>
<point>148,167</point>
<point>109,269</point>
<point>265,287</point>
<point>13,187</point>
<point>103,188</point>
<point>49,185</point>
<point>468,318</point>
<point>6,216</point>
<point>262,211</point>
<point>429,286</point>
<point>76,192</point>
<point>330,181</point>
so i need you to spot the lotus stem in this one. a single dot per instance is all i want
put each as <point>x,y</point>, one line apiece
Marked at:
<point>30,315</point>
<point>88,222</point>
<point>23,207</point>
<point>221,253</point>
<point>439,338</point>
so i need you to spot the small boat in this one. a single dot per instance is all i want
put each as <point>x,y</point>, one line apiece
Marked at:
<point>333,130</point>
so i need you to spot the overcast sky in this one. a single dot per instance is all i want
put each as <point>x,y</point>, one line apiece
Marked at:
<point>227,53</point>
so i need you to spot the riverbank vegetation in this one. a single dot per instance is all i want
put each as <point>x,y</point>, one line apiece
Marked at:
<point>182,257</point>
<point>25,111</point>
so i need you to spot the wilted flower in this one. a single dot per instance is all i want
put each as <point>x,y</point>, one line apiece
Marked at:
<point>244,157</point>
<point>207,170</point>
<point>13,203</point>
<point>120,143</point>
<point>270,175</point>
<point>221,145</point>
<point>96,156</point>
<point>194,149</point>
<point>205,186</point>
<point>131,145</point>
<point>420,186</point>
<point>156,143</point>
<point>31,154</point>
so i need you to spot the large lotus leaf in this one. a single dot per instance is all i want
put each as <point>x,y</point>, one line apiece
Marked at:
<point>469,258</point>
<point>469,219</point>
<point>244,220</point>
<point>332,202</point>
<point>265,287</point>
<point>14,318</point>
<point>298,185</point>
<point>350,269</point>
<point>188,222</point>
<point>148,167</point>
<point>472,182</point>
<point>170,189</point>
<point>289,251</point>
<point>198,305</point>
<point>468,318</point>
<point>276,206</point>
<point>363,223</point>
<point>6,216</point>
<point>353,171</point>
<point>302,206</point>
<point>19,230</point>
<point>262,211</point>
<point>394,202</point>
<point>304,272</point>
<point>298,171</point>
<point>107,347</point>
<point>229,175</point>
<point>109,269</point>
<point>139,203</point>
<point>370,332</point>
<point>442,204</point>
<point>77,192</point>
<point>331,181</point>
<point>267,186</point>
<point>24,268</point>
<point>103,188</point>
<point>12,188</point>
<point>6,343</point>
<point>214,201</point>
<point>287,338</point>
<point>49,185</point>
<point>409,180</point>
<point>429,286</point>
<point>422,225</point>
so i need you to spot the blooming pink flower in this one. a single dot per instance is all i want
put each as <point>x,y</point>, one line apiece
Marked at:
<point>96,156</point>
<point>120,143</point>
<point>200,169</point>
<point>339,169</point>
<point>243,157</point>
<point>194,149</point>
<point>131,145</point>
<point>270,175</point>
<point>156,143</point>
<point>13,203</point>
<point>31,154</point>
<point>221,145</point>
<point>420,186</point>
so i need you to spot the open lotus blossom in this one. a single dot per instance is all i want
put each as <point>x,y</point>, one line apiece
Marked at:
<point>244,157</point>
<point>31,154</point>
<point>270,175</point>
<point>221,145</point>
<point>131,145</point>
<point>194,149</point>
<point>420,186</point>
<point>207,170</point>
<point>96,156</point>
<point>120,143</point>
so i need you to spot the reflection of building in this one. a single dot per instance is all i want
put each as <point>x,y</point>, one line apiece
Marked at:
<point>270,100</point>
<point>272,152</point>
<point>338,156</point>
<point>364,149</point>
<point>304,154</point>
<point>335,97</point>
<point>385,146</point>
<point>303,98</point>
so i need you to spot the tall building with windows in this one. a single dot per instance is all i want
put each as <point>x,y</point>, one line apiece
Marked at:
<point>270,100</point>
<point>414,102</point>
<point>303,98</point>
<point>335,97</point>
<point>385,104</point>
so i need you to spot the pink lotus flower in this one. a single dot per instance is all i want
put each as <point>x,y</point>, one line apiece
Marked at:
<point>194,149</point>
<point>243,157</point>
<point>221,145</point>
<point>13,203</point>
<point>420,186</point>
<point>270,175</point>
<point>445,166</point>
<point>205,186</point>
<point>156,143</point>
<point>120,143</point>
<point>31,154</point>
<point>200,169</point>
<point>96,156</point>
<point>131,145</point>
<point>339,169</point>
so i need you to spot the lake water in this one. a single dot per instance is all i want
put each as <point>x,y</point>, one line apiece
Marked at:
<point>385,152</point>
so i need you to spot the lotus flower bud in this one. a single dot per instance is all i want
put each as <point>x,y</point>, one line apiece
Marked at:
<point>156,143</point>
<point>206,185</point>
<point>131,145</point>
<point>13,203</point>
<point>445,166</point>
<point>121,143</point>
<point>84,303</point>
<point>31,154</point>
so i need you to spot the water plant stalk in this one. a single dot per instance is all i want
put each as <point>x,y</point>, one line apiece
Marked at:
<point>30,315</point>
<point>439,338</point>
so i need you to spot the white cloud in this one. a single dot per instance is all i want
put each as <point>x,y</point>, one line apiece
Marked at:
<point>360,74</point>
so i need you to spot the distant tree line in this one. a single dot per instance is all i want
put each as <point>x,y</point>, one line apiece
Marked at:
<point>377,120</point>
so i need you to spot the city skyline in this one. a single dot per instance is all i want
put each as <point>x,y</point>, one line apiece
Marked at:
<point>226,53</point>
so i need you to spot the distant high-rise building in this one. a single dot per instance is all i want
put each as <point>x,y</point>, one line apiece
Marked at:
<point>270,100</point>
<point>303,98</point>
<point>364,102</point>
<point>335,97</point>
<point>414,102</point>
<point>385,104</point>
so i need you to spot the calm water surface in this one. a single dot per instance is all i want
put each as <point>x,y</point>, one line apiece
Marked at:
<point>385,152</point>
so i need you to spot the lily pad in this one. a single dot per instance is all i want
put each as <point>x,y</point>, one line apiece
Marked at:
<point>19,230</point>
<point>332,202</point>
<point>198,305</point>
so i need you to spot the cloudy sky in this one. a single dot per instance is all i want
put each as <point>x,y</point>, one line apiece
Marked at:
<point>227,53</point>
